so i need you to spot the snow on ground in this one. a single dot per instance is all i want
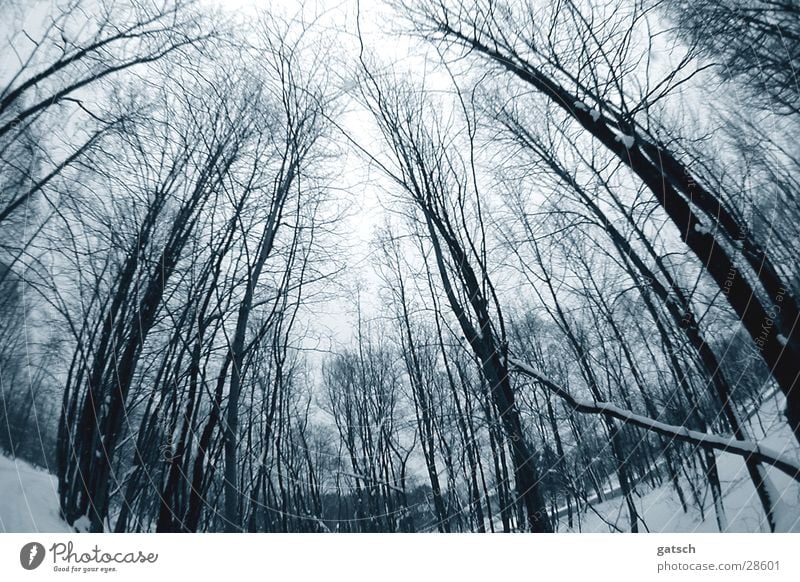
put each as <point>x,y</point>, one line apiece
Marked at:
<point>28,499</point>
<point>661,509</point>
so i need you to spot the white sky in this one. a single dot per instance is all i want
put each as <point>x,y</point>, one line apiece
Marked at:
<point>360,186</point>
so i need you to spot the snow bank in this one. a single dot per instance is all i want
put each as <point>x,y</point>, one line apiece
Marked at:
<point>661,509</point>
<point>28,499</point>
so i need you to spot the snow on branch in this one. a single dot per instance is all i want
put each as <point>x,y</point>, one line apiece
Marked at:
<point>626,140</point>
<point>744,448</point>
<point>371,480</point>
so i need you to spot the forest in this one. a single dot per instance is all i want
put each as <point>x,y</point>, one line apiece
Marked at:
<point>403,265</point>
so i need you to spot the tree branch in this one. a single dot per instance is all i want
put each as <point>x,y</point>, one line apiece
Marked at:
<point>744,448</point>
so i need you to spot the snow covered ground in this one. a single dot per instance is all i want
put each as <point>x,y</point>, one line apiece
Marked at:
<point>661,509</point>
<point>28,499</point>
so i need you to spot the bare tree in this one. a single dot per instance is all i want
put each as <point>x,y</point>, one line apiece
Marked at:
<point>756,42</point>
<point>587,80</point>
<point>438,183</point>
<point>59,68</point>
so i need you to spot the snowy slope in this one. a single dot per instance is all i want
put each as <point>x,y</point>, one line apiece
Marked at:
<point>28,499</point>
<point>662,511</point>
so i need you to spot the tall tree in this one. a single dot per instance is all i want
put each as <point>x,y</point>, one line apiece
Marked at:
<point>584,65</point>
